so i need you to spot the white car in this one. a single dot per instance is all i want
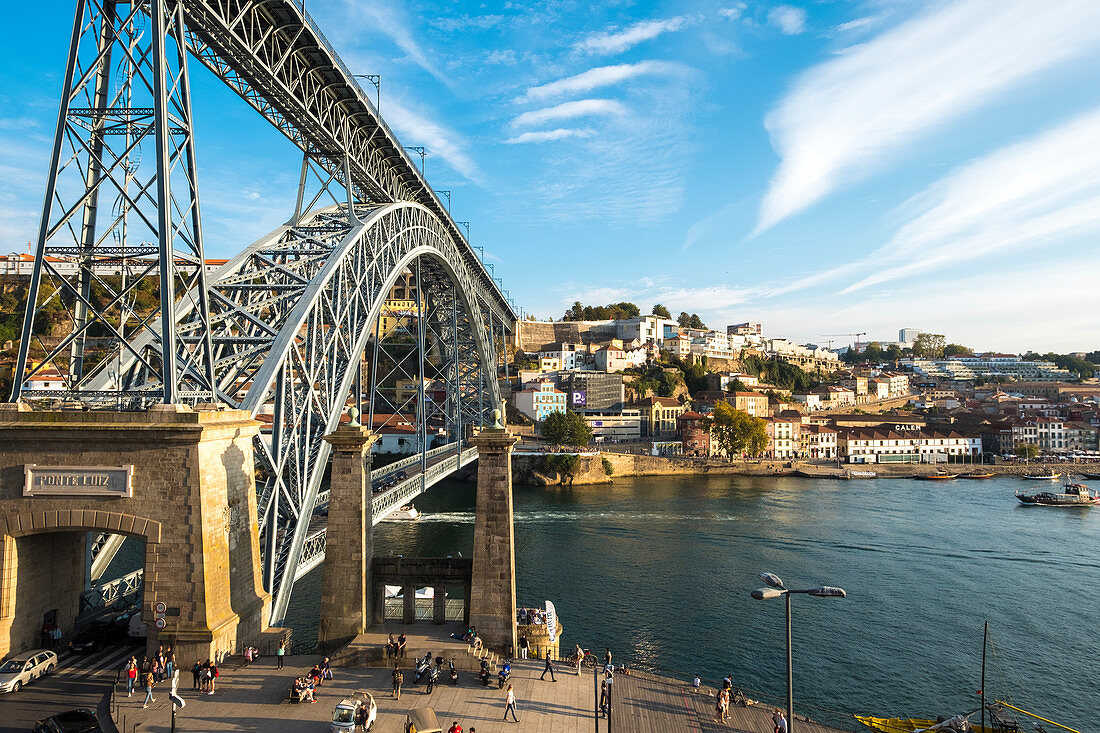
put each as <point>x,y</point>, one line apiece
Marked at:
<point>343,717</point>
<point>27,667</point>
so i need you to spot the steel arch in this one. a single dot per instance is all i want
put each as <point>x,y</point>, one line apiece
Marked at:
<point>308,365</point>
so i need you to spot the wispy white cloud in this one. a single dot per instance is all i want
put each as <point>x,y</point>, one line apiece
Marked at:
<point>600,76</point>
<point>733,12</point>
<point>570,110</point>
<point>501,57</point>
<point>1041,191</point>
<point>612,42</point>
<point>850,115</point>
<point>543,136</point>
<point>857,24</point>
<point>417,129</point>
<point>386,17</point>
<point>788,19</point>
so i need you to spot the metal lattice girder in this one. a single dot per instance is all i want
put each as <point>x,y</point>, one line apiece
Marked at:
<point>126,88</point>
<point>272,54</point>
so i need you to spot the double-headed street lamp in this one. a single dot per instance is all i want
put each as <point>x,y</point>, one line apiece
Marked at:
<point>775,590</point>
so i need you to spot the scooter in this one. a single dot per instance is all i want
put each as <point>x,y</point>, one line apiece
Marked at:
<point>503,675</point>
<point>453,672</point>
<point>422,667</point>
<point>433,677</point>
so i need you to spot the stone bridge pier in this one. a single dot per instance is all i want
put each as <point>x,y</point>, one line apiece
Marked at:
<point>179,479</point>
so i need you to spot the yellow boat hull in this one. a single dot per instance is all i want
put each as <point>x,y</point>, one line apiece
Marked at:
<point>906,725</point>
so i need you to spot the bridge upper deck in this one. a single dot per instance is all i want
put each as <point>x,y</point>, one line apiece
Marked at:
<point>274,56</point>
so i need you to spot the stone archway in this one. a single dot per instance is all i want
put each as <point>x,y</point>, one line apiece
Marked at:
<point>189,497</point>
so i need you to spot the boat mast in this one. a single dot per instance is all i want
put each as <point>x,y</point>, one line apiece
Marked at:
<point>985,637</point>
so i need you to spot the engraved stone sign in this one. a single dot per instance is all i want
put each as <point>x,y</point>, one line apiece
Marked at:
<point>78,481</point>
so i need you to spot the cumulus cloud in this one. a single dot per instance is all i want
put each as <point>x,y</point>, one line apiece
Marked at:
<point>600,76</point>
<point>847,117</point>
<point>613,42</point>
<point>543,136</point>
<point>733,12</point>
<point>570,110</point>
<point>788,19</point>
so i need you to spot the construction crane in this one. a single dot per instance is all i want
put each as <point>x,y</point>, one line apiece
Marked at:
<point>857,335</point>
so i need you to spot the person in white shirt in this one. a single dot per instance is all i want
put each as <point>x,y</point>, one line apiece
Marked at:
<point>511,705</point>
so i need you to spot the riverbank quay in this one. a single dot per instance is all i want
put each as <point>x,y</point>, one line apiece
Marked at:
<point>529,468</point>
<point>256,698</point>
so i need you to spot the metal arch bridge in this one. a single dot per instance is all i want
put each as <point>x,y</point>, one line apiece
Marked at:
<point>285,328</point>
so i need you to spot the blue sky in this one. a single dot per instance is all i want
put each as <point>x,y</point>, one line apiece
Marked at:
<point>823,167</point>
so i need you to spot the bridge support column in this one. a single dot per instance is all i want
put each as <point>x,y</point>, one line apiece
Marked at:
<point>493,592</point>
<point>349,549</point>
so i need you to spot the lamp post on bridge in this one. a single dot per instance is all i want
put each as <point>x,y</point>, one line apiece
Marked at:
<point>775,590</point>
<point>423,154</point>
<point>376,80</point>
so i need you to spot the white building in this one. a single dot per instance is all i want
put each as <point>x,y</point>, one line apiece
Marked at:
<point>874,445</point>
<point>645,328</point>
<point>625,424</point>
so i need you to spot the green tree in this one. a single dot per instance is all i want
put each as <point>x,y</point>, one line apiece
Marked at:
<point>736,431</point>
<point>684,319</point>
<point>696,322</point>
<point>660,310</point>
<point>957,350</point>
<point>1027,451</point>
<point>873,352</point>
<point>565,464</point>
<point>893,352</point>
<point>608,468</point>
<point>566,428</point>
<point>929,346</point>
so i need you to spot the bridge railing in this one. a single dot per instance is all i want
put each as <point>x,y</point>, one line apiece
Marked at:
<point>414,459</point>
<point>386,502</point>
<point>110,593</point>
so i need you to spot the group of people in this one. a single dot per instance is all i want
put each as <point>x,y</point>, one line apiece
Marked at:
<point>395,648</point>
<point>305,686</point>
<point>204,676</point>
<point>51,635</point>
<point>456,728</point>
<point>531,616</point>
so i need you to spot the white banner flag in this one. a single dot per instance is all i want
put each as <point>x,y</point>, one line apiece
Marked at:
<point>551,622</point>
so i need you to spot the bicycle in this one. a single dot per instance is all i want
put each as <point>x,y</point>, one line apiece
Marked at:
<point>589,660</point>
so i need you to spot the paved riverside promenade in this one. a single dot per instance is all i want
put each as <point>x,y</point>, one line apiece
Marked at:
<point>254,698</point>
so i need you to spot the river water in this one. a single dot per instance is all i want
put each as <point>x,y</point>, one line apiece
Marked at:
<point>660,569</point>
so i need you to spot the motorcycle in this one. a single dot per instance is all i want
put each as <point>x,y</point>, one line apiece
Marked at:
<point>453,672</point>
<point>433,677</point>
<point>503,675</point>
<point>422,667</point>
<point>484,675</point>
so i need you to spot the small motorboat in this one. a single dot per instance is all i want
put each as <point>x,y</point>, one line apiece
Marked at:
<point>1072,495</point>
<point>913,725</point>
<point>976,475</point>
<point>938,477</point>
<point>1042,477</point>
<point>1091,476</point>
<point>407,513</point>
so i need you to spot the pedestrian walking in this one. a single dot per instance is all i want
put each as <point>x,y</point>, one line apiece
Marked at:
<point>605,693</point>
<point>213,677</point>
<point>398,678</point>
<point>607,659</point>
<point>510,705</point>
<point>361,718</point>
<point>149,682</point>
<point>780,721</point>
<point>723,705</point>
<point>548,668</point>
<point>169,662</point>
<point>524,645</point>
<point>131,676</point>
<point>280,653</point>
<point>196,675</point>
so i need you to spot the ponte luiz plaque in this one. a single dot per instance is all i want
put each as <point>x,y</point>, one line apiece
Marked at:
<point>78,481</point>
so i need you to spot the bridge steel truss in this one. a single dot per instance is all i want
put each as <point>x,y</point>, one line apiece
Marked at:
<point>283,327</point>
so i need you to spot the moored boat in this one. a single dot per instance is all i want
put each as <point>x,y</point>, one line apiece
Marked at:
<point>912,725</point>
<point>1042,477</point>
<point>938,477</point>
<point>406,513</point>
<point>1072,495</point>
<point>976,475</point>
<point>1092,476</point>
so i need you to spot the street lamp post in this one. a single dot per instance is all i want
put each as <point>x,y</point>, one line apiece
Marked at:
<point>776,589</point>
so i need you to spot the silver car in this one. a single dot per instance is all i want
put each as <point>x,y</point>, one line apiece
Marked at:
<point>25,668</point>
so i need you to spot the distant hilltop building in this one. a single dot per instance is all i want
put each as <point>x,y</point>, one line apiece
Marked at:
<point>990,367</point>
<point>908,336</point>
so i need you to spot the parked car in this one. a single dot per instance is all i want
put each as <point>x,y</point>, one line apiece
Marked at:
<point>100,633</point>
<point>25,668</point>
<point>137,629</point>
<point>343,717</point>
<point>81,720</point>
<point>422,720</point>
